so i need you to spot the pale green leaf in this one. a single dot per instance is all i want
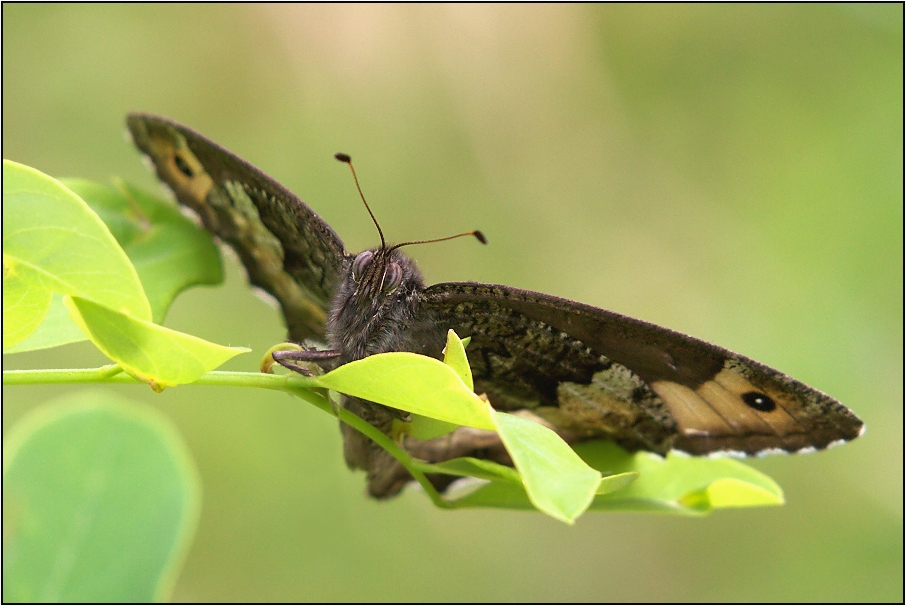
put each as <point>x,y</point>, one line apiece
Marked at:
<point>730,492</point>
<point>616,482</point>
<point>423,428</point>
<point>497,495</point>
<point>57,328</point>
<point>100,503</point>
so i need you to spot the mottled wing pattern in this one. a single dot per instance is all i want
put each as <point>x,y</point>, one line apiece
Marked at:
<point>595,373</point>
<point>285,247</point>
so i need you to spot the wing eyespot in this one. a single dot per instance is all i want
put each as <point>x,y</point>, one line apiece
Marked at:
<point>183,166</point>
<point>758,401</point>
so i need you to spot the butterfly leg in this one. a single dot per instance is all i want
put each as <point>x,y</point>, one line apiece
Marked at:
<point>288,358</point>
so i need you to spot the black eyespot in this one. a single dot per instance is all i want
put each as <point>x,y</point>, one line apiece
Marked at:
<point>393,276</point>
<point>360,265</point>
<point>759,401</point>
<point>183,166</point>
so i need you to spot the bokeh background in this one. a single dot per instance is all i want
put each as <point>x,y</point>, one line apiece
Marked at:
<point>734,172</point>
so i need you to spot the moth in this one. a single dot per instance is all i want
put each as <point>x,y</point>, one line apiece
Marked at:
<point>583,371</point>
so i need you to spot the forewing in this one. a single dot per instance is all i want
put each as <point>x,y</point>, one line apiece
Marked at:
<point>285,247</point>
<point>593,372</point>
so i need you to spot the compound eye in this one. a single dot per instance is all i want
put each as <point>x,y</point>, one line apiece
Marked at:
<point>393,276</point>
<point>360,265</point>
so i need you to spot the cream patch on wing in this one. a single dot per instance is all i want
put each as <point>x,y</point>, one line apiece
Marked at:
<point>198,184</point>
<point>717,408</point>
<point>693,415</point>
<point>779,420</point>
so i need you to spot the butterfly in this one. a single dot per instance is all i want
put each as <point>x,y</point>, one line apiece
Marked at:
<point>586,372</point>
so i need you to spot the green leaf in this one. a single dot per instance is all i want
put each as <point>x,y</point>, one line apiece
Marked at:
<point>100,503</point>
<point>56,329</point>
<point>679,483</point>
<point>557,481</point>
<point>24,307</point>
<point>512,495</point>
<point>616,482</point>
<point>169,252</point>
<point>455,357</point>
<point>731,492</point>
<point>53,240</point>
<point>423,428</point>
<point>413,383</point>
<point>497,495</point>
<point>476,468</point>
<point>426,428</point>
<point>155,354</point>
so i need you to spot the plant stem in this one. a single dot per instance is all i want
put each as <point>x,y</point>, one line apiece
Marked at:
<point>384,441</point>
<point>299,386</point>
<point>105,374</point>
<point>398,452</point>
<point>112,373</point>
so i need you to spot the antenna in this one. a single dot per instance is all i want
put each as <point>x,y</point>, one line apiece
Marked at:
<point>347,160</point>
<point>478,236</point>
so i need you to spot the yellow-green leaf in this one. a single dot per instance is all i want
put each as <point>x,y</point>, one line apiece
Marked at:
<point>679,483</point>
<point>24,308</point>
<point>455,357</point>
<point>53,240</point>
<point>153,353</point>
<point>413,383</point>
<point>169,252</point>
<point>557,481</point>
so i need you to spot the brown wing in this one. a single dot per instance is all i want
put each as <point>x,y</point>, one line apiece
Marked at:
<point>592,372</point>
<point>285,247</point>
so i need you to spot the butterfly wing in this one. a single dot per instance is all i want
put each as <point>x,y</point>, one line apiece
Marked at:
<point>595,373</point>
<point>285,247</point>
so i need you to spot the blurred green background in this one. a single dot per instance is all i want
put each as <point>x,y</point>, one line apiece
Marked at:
<point>734,172</point>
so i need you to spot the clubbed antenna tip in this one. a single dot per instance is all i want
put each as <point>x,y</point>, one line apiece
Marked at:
<point>348,161</point>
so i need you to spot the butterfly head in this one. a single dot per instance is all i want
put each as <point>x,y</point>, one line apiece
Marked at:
<point>375,302</point>
<point>376,305</point>
<point>380,272</point>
